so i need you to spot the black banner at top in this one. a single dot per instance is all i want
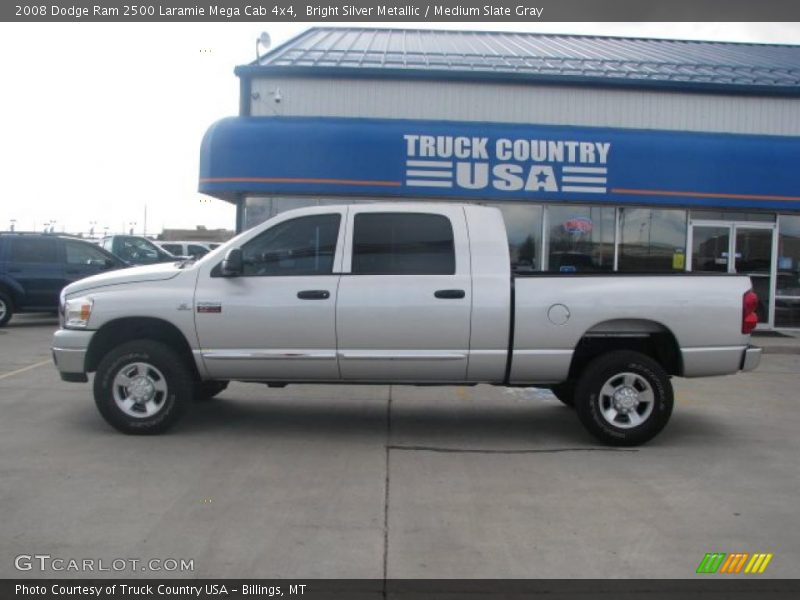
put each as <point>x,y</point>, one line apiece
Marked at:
<point>387,11</point>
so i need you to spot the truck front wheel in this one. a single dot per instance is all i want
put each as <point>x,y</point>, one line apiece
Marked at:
<point>624,398</point>
<point>206,390</point>
<point>142,387</point>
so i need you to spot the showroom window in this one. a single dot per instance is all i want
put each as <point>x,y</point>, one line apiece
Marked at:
<point>652,240</point>
<point>524,228</point>
<point>787,286</point>
<point>581,238</point>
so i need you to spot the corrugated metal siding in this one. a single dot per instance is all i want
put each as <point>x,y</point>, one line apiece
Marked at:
<point>460,101</point>
<point>590,58</point>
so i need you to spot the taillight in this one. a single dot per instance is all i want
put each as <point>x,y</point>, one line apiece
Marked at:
<point>749,316</point>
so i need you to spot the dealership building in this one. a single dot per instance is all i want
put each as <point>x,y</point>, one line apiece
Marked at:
<point>603,154</point>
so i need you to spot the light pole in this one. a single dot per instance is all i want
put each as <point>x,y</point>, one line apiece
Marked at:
<point>91,229</point>
<point>13,224</point>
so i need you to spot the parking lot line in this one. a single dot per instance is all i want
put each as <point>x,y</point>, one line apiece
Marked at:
<point>23,369</point>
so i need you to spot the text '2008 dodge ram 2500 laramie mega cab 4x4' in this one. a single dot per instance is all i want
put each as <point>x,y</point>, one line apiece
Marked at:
<point>397,294</point>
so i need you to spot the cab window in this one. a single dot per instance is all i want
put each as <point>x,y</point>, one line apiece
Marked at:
<point>301,246</point>
<point>403,244</point>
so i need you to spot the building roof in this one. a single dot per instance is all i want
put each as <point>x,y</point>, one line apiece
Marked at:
<point>534,57</point>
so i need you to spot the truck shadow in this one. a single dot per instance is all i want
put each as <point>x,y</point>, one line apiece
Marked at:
<point>491,427</point>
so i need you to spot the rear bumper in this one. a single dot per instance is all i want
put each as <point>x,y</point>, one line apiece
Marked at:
<point>751,357</point>
<point>69,353</point>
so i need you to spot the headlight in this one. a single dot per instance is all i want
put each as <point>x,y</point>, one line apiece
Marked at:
<point>77,312</point>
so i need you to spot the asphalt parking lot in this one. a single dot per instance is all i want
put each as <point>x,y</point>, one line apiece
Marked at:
<point>380,481</point>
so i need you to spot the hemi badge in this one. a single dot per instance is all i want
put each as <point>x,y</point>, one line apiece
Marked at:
<point>209,307</point>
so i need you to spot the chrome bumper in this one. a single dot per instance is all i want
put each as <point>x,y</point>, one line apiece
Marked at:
<point>69,353</point>
<point>751,357</point>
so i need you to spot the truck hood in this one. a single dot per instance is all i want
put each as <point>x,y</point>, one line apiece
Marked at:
<point>157,272</point>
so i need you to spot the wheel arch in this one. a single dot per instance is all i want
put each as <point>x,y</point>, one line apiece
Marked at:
<point>127,329</point>
<point>646,336</point>
<point>13,290</point>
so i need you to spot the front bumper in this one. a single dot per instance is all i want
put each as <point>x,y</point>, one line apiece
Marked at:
<point>751,357</point>
<point>69,353</point>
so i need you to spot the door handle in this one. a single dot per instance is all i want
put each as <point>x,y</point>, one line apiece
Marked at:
<point>449,294</point>
<point>72,272</point>
<point>314,295</point>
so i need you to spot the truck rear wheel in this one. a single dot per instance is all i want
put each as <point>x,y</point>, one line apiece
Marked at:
<point>624,398</point>
<point>565,392</point>
<point>6,308</point>
<point>142,387</point>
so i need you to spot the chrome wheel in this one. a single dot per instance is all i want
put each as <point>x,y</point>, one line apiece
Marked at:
<point>3,309</point>
<point>626,400</point>
<point>139,390</point>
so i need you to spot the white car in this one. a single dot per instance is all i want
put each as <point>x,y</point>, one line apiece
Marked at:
<point>185,248</point>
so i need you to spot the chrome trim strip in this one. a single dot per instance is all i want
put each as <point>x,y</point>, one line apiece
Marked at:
<point>400,355</point>
<point>269,355</point>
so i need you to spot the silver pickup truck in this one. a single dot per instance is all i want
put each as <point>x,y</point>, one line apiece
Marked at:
<point>397,294</point>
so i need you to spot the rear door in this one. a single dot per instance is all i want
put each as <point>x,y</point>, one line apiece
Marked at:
<point>403,311</point>
<point>35,262</point>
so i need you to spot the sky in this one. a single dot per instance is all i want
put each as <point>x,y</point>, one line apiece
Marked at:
<point>101,123</point>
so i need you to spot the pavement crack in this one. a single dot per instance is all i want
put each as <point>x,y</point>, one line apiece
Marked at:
<point>386,491</point>
<point>502,451</point>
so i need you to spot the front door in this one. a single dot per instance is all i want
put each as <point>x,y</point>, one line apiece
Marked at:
<point>745,248</point>
<point>275,321</point>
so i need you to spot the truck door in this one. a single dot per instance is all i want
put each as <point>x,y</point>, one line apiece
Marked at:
<point>275,321</point>
<point>403,311</point>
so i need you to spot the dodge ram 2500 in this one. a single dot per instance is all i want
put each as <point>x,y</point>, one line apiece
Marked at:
<point>397,294</point>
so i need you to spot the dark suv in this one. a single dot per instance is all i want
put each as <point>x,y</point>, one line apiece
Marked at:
<point>34,267</point>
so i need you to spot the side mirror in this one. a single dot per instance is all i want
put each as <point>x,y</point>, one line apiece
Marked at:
<point>108,263</point>
<point>232,264</point>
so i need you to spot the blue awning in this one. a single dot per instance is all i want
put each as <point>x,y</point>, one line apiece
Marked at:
<point>496,161</point>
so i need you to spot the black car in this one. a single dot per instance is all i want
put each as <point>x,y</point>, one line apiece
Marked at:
<point>34,267</point>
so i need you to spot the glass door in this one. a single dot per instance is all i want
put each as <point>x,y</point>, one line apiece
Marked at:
<point>754,256</point>
<point>732,247</point>
<point>710,248</point>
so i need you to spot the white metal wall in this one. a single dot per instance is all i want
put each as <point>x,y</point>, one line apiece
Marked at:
<point>511,103</point>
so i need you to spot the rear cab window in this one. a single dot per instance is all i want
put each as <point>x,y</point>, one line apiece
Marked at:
<point>387,243</point>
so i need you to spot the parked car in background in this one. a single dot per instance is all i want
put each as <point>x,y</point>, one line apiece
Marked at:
<point>193,249</point>
<point>34,267</point>
<point>137,250</point>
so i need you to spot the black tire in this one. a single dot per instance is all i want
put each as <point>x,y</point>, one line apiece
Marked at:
<point>205,390</point>
<point>6,308</point>
<point>163,369</point>
<point>565,392</point>
<point>644,379</point>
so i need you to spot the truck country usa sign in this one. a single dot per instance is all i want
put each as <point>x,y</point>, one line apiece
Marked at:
<point>506,165</point>
<point>333,157</point>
